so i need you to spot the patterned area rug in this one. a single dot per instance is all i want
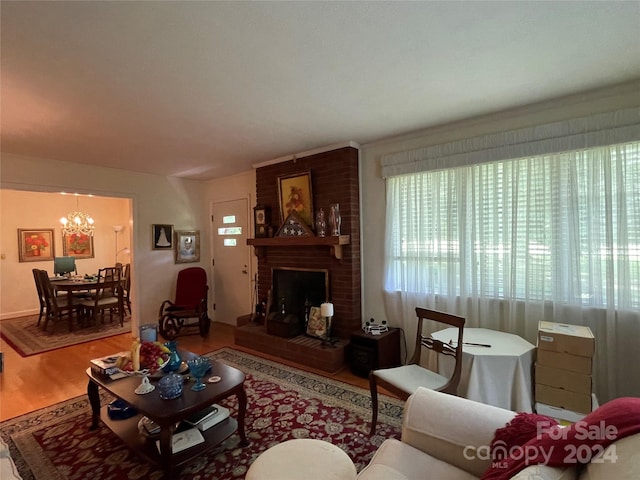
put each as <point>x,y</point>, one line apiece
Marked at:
<point>27,338</point>
<point>283,403</point>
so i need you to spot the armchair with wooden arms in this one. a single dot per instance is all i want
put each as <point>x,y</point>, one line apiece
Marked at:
<point>189,309</point>
<point>405,380</point>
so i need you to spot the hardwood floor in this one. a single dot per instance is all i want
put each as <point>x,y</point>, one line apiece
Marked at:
<point>30,383</point>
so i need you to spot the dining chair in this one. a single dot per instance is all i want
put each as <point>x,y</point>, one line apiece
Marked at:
<point>56,306</point>
<point>405,380</point>
<point>108,296</point>
<point>41,296</point>
<point>190,304</point>
<point>126,287</point>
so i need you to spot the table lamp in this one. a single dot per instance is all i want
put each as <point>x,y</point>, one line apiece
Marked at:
<point>326,311</point>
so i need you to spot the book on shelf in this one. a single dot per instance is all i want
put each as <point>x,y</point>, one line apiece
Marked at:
<point>184,439</point>
<point>208,417</point>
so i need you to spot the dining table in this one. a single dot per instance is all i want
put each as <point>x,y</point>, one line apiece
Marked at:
<point>73,285</point>
<point>496,367</point>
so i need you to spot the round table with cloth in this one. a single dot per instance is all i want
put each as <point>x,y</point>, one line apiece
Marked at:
<point>496,367</point>
<point>305,458</point>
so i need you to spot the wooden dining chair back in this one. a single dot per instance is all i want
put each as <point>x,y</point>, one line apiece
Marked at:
<point>41,296</point>
<point>108,297</point>
<point>57,307</point>
<point>189,309</point>
<point>126,287</point>
<point>405,380</point>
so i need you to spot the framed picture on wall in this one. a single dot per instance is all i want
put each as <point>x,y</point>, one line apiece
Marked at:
<point>187,246</point>
<point>79,245</point>
<point>162,236</point>
<point>35,245</point>
<point>294,193</point>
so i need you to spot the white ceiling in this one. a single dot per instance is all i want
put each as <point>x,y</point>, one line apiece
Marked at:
<point>206,89</point>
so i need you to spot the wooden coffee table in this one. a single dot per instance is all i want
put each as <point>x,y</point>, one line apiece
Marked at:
<point>168,413</point>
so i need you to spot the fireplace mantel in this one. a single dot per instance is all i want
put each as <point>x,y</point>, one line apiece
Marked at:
<point>335,243</point>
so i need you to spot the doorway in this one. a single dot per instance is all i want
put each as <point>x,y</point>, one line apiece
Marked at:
<point>231,260</point>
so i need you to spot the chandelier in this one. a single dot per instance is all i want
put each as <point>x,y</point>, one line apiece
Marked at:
<point>77,222</point>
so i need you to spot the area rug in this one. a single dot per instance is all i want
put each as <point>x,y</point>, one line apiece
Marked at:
<point>284,403</point>
<point>27,338</point>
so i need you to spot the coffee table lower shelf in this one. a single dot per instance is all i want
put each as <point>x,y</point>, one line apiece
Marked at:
<point>127,430</point>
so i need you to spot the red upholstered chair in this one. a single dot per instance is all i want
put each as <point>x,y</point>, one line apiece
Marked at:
<point>190,306</point>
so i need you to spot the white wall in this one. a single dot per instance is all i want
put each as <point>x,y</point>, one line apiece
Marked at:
<point>373,186</point>
<point>155,200</point>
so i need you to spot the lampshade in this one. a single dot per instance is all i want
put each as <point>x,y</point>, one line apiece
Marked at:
<point>326,310</point>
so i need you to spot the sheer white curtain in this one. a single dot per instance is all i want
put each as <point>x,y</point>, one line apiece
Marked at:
<point>509,243</point>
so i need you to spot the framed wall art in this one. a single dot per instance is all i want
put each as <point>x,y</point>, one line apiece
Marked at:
<point>261,220</point>
<point>79,245</point>
<point>294,192</point>
<point>35,245</point>
<point>162,236</point>
<point>187,246</point>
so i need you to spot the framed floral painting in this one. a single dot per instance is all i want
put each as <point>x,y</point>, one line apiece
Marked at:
<point>35,245</point>
<point>295,195</point>
<point>79,245</point>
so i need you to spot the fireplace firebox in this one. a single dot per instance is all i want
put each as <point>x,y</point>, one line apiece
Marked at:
<point>294,290</point>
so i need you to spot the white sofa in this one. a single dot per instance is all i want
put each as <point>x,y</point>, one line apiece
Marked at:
<point>443,436</point>
<point>8,469</point>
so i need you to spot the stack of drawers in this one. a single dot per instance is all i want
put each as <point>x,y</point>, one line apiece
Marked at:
<point>563,383</point>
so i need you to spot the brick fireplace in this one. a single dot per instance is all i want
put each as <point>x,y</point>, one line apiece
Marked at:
<point>334,179</point>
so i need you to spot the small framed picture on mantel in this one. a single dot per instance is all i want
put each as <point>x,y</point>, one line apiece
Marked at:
<point>262,219</point>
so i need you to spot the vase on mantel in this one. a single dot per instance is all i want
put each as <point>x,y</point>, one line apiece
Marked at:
<point>321,223</point>
<point>334,219</point>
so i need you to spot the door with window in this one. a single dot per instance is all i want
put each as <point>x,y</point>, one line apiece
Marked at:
<point>231,261</point>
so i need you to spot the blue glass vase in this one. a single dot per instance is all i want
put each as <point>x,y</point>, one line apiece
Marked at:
<point>174,357</point>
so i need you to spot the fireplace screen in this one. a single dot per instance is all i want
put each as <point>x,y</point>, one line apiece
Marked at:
<point>295,288</point>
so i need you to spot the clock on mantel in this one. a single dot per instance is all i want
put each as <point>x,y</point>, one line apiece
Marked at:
<point>335,243</point>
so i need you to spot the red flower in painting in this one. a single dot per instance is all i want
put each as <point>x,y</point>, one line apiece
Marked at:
<point>79,242</point>
<point>36,242</point>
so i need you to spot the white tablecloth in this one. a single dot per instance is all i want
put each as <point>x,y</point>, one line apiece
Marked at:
<point>498,375</point>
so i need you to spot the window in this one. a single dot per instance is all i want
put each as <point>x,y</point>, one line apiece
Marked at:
<point>562,227</point>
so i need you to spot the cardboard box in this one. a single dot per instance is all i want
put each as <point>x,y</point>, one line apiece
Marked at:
<point>562,413</point>
<point>564,379</point>
<point>563,338</point>
<point>577,402</point>
<point>565,361</point>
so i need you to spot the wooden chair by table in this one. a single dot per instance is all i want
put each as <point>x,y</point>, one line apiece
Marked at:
<point>126,287</point>
<point>41,295</point>
<point>56,306</point>
<point>108,296</point>
<point>405,380</point>
<point>190,303</point>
